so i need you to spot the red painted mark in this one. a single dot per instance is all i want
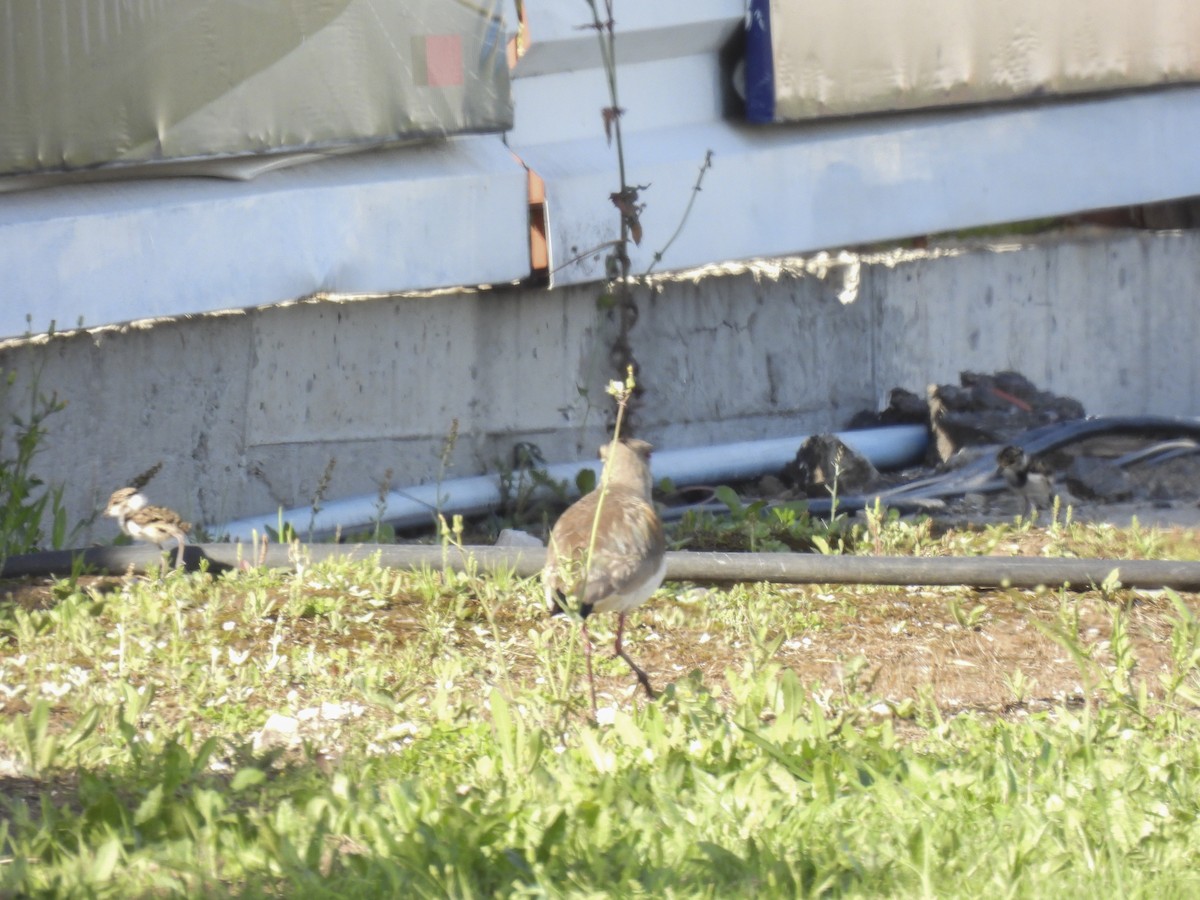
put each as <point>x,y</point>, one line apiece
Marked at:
<point>443,60</point>
<point>1009,398</point>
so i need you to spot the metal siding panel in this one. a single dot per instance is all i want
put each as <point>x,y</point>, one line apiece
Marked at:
<point>794,189</point>
<point>435,216</point>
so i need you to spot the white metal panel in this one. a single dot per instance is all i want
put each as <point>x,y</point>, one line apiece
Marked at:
<point>658,94</point>
<point>440,214</point>
<point>562,39</point>
<point>790,189</point>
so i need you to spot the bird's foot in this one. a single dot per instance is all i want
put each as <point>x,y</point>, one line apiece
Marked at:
<point>642,677</point>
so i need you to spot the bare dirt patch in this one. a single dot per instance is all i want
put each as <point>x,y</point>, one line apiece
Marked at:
<point>993,651</point>
<point>1000,651</point>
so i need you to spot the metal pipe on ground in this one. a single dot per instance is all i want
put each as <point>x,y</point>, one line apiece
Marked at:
<point>716,568</point>
<point>887,448</point>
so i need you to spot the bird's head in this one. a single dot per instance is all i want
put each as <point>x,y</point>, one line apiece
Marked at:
<point>1010,457</point>
<point>124,501</point>
<point>628,464</point>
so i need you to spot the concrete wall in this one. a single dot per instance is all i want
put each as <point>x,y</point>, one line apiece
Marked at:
<point>246,409</point>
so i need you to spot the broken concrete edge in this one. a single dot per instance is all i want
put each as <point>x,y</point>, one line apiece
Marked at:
<point>704,567</point>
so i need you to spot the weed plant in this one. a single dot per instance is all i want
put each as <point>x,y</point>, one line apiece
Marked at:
<point>32,515</point>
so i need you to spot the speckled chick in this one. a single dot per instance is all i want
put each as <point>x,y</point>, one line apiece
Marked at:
<point>1027,476</point>
<point>142,522</point>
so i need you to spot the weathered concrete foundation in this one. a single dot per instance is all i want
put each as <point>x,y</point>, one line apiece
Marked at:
<point>246,409</point>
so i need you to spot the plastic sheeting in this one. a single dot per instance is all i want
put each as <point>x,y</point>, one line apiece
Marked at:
<point>842,57</point>
<point>108,82</point>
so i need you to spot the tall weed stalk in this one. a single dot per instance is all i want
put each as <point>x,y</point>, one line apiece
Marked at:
<point>27,505</point>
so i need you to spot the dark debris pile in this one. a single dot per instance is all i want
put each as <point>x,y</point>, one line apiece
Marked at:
<point>1148,459</point>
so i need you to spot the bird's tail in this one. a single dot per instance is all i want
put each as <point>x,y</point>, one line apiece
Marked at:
<point>142,480</point>
<point>560,603</point>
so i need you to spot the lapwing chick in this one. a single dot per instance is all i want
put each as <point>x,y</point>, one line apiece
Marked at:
<point>1027,476</point>
<point>628,552</point>
<point>142,522</point>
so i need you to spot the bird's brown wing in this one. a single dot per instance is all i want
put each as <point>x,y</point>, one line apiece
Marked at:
<point>628,547</point>
<point>168,517</point>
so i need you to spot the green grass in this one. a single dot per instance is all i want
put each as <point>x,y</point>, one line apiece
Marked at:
<point>456,757</point>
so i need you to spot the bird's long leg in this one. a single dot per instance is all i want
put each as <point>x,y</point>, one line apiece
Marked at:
<point>587,649</point>
<point>642,677</point>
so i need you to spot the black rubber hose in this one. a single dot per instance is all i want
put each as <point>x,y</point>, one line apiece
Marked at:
<point>980,474</point>
<point>781,568</point>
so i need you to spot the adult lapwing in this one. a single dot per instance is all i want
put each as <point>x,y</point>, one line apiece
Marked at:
<point>607,552</point>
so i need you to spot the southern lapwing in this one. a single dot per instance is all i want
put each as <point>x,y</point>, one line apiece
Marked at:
<point>142,522</point>
<point>618,524</point>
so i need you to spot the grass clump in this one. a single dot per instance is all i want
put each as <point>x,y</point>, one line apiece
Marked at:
<point>347,730</point>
